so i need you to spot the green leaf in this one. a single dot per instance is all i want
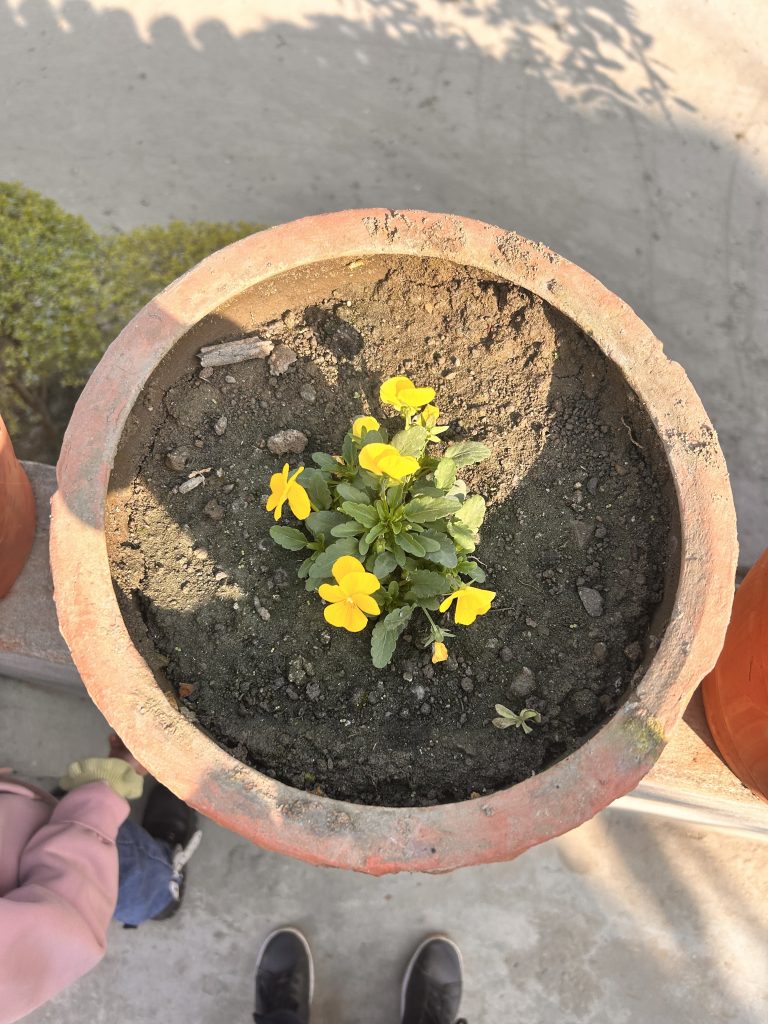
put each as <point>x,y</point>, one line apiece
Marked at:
<point>428,510</point>
<point>464,537</point>
<point>313,482</point>
<point>386,633</point>
<point>466,453</point>
<point>349,493</point>
<point>321,569</point>
<point>288,538</point>
<point>425,584</point>
<point>471,569</point>
<point>305,566</point>
<point>428,541</point>
<point>395,495</point>
<point>348,529</point>
<point>348,452</point>
<point>372,437</point>
<point>411,441</point>
<point>374,532</point>
<point>364,514</point>
<point>445,474</point>
<point>472,513</point>
<point>326,462</point>
<point>445,552</point>
<point>384,564</point>
<point>411,546</point>
<point>321,523</point>
<point>363,547</point>
<point>459,490</point>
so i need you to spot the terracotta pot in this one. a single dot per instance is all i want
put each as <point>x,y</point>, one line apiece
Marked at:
<point>317,829</point>
<point>17,514</point>
<point>736,691</point>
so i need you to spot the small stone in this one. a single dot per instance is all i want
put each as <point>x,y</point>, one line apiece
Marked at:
<point>176,460</point>
<point>600,651</point>
<point>214,510</point>
<point>281,359</point>
<point>228,488</point>
<point>291,693</point>
<point>190,485</point>
<point>582,533</point>
<point>467,685</point>
<point>425,709</point>
<point>633,651</point>
<point>600,532</point>
<point>230,379</point>
<point>186,690</point>
<point>592,484</point>
<point>492,644</point>
<point>296,670</point>
<point>308,393</point>
<point>220,426</point>
<point>206,373</point>
<point>531,623</point>
<point>285,441</point>
<point>592,601</point>
<point>264,614</point>
<point>198,442</point>
<point>523,683</point>
<point>313,691</point>
<point>419,692</point>
<point>506,655</point>
<point>220,576</point>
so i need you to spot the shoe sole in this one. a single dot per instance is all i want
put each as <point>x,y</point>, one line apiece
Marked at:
<point>302,939</point>
<point>415,957</point>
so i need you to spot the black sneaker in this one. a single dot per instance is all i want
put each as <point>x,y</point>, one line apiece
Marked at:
<point>432,983</point>
<point>169,819</point>
<point>285,976</point>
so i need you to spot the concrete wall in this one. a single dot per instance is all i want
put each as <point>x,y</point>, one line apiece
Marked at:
<point>632,139</point>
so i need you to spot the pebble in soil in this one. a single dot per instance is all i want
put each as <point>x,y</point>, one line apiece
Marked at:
<point>576,539</point>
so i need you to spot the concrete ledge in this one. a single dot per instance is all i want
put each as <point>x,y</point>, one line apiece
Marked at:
<point>690,781</point>
<point>31,646</point>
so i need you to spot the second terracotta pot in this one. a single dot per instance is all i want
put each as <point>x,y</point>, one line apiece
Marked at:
<point>17,514</point>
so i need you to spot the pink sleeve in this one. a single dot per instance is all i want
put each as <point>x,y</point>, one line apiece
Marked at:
<point>53,926</point>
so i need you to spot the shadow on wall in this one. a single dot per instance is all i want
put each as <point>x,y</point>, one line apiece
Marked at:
<point>553,119</point>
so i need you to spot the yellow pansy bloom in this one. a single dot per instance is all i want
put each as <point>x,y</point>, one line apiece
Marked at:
<point>386,460</point>
<point>470,602</point>
<point>286,489</point>
<point>350,601</point>
<point>403,393</point>
<point>363,423</point>
<point>429,416</point>
<point>439,652</point>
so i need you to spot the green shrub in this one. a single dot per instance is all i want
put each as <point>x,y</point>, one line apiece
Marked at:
<point>66,292</point>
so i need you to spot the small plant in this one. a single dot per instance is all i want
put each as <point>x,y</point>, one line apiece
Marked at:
<point>389,526</point>
<point>509,718</point>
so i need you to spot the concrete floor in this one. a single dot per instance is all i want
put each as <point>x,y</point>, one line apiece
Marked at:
<point>630,919</point>
<point>632,138</point>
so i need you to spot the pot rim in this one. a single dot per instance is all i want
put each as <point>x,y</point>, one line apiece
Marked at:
<point>319,829</point>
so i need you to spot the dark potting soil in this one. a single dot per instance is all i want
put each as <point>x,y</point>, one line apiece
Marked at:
<point>579,531</point>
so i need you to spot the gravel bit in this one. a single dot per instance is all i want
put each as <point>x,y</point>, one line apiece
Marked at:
<point>190,485</point>
<point>523,683</point>
<point>600,651</point>
<point>220,426</point>
<point>313,691</point>
<point>506,654</point>
<point>467,685</point>
<point>633,651</point>
<point>291,693</point>
<point>285,441</point>
<point>213,509</point>
<point>308,393</point>
<point>592,601</point>
<point>176,460</point>
<point>281,359</point>
<point>228,352</point>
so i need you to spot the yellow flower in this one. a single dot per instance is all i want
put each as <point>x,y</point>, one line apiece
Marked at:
<point>470,602</point>
<point>351,600</point>
<point>386,460</point>
<point>285,489</point>
<point>364,423</point>
<point>430,414</point>
<point>439,652</point>
<point>403,394</point>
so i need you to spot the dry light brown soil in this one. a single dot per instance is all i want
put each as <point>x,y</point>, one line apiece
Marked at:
<point>579,532</point>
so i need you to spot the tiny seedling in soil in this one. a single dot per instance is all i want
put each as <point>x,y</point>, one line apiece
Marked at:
<point>509,718</point>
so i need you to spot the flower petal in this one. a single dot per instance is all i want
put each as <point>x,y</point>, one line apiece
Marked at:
<point>371,455</point>
<point>367,604</point>
<point>399,466</point>
<point>330,593</point>
<point>414,398</point>
<point>298,499</point>
<point>345,565</point>
<point>389,391</point>
<point>446,604</point>
<point>363,423</point>
<point>439,652</point>
<point>345,615</point>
